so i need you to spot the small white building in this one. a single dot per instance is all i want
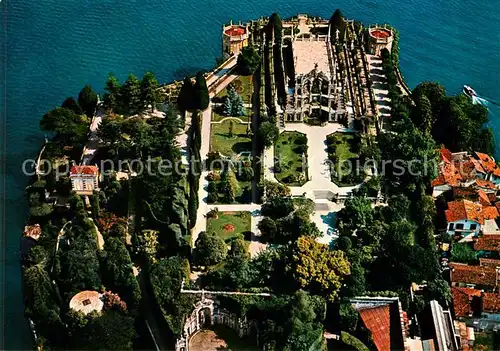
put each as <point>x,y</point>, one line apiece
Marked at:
<point>84,179</point>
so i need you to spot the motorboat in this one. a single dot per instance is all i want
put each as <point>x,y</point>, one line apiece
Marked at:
<point>469,91</point>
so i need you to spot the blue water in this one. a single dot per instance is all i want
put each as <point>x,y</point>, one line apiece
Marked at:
<point>55,47</point>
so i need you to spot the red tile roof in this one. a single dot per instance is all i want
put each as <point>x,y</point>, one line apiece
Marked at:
<point>90,170</point>
<point>487,162</point>
<point>485,184</point>
<point>378,321</point>
<point>488,242</point>
<point>446,155</point>
<point>464,209</point>
<point>483,198</point>
<point>235,31</point>
<point>490,212</point>
<point>491,302</point>
<point>489,262</point>
<point>448,174</point>
<point>478,275</point>
<point>462,298</point>
<point>33,231</point>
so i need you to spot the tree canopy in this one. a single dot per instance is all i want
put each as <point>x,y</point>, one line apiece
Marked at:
<point>248,61</point>
<point>209,250</point>
<point>318,269</point>
<point>87,100</point>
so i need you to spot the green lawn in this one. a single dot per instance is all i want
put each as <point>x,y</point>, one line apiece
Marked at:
<point>243,86</point>
<point>342,149</point>
<point>229,145</point>
<point>240,220</point>
<point>288,155</point>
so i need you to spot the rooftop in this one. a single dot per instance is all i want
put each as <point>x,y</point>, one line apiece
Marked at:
<point>235,31</point>
<point>491,302</point>
<point>488,242</point>
<point>88,170</point>
<point>308,54</point>
<point>464,210</point>
<point>33,231</point>
<point>462,300</point>
<point>378,321</point>
<point>477,275</point>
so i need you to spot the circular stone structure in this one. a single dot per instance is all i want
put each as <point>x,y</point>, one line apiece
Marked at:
<point>380,38</point>
<point>87,301</point>
<point>380,33</point>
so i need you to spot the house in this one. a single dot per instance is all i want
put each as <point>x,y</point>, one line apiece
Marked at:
<point>461,169</point>
<point>385,319</point>
<point>490,167</point>
<point>467,218</point>
<point>84,179</point>
<point>488,245</point>
<point>474,303</point>
<point>479,277</point>
<point>464,217</point>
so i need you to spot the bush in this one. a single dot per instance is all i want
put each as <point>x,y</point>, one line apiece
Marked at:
<point>245,174</point>
<point>212,197</point>
<point>353,342</point>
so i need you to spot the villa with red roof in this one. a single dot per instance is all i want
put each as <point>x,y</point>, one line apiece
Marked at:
<point>468,218</point>
<point>475,303</point>
<point>84,179</point>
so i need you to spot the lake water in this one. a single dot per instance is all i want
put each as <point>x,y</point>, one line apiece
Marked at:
<point>55,47</point>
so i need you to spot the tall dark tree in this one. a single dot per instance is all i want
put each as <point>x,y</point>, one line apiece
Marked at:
<point>131,93</point>
<point>71,104</point>
<point>337,22</point>
<point>185,98</point>
<point>87,99</point>
<point>202,98</point>
<point>113,87</point>
<point>149,88</point>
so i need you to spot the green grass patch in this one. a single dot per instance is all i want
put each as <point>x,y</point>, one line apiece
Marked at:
<point>227,145</point>
<point>288,150</point>
<point>343,150</point>
<point>230,224</point>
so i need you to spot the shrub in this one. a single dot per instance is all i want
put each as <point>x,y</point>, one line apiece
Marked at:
<point>212,198</point>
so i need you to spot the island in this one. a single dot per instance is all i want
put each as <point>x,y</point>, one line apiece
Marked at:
<point>299,196</point>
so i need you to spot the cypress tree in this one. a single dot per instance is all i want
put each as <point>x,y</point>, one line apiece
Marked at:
<point>201,92</point>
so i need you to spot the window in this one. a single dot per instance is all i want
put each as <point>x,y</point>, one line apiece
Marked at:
<point>86,302</point>
<point>473,226</point>
<point>451,226</point>
<point>459,226</point>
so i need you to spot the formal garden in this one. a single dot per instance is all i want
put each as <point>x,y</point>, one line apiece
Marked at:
<point>243,85</point>
<point>228,225</point>
<point>290,154</point>
<point>344,154</point>
<point>230,101</point>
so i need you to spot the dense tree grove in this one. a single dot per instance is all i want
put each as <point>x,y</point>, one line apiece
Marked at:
<point>133,96</point>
